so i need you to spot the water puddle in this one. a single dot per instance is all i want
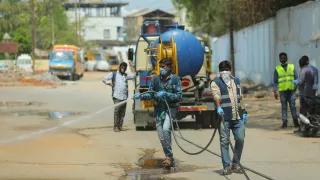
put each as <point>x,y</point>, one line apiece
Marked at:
<point>150,168</point>
<point>59,115</point>
<point>51,115</point>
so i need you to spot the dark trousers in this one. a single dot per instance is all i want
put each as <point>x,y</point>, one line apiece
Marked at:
<point>304,107</point>
<point>119,113</point>
<point>287,97</point>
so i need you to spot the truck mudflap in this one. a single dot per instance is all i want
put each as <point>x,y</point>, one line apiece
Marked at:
<point>144,119</point>
<point>192,108</point>
<point>209,106</point>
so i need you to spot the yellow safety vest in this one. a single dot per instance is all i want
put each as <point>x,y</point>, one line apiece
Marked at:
<point>285,78</point>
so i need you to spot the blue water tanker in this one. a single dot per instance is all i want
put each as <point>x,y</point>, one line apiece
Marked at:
<point>189,60</point>
<point>190,53</point>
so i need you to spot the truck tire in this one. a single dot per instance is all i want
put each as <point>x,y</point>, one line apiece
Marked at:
<point>71,77</point>
<point>206,119</point>
<point>74,77</point>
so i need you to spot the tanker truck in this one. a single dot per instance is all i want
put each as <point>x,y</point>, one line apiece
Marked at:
<point>190,61</point>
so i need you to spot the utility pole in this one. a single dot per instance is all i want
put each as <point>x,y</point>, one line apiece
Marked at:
<point>52,31</point>
<point>52,24</point>
<point>33,32</point>
<point>231,30</point>
<point>76,19</point>
<point>79,23</point>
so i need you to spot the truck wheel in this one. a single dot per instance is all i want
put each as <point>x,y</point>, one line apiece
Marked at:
<point>205,119</point>
<point>76,77</point>
<point>71,77</point>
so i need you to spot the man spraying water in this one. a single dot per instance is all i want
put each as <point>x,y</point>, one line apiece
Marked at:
<point>164,88</point>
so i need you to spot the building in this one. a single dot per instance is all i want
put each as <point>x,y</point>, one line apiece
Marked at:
<point>133,22</point>
<point>98,21</point>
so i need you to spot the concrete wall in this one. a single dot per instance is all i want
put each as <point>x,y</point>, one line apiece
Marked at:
<point>294,30</point>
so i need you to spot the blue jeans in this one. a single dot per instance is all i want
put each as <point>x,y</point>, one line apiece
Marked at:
<point>238,129</point>
<point>163,124</point>
<point>285,98</point>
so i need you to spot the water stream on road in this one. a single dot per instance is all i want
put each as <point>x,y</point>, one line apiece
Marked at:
<point>55,128</point>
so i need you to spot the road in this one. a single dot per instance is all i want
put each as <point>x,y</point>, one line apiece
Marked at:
<point>82,145</point>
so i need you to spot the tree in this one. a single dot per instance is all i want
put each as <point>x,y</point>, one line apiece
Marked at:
<point>52,24</point>
<point>213,16</point>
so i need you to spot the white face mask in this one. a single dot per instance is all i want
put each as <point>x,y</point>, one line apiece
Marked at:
<point>226,76</point>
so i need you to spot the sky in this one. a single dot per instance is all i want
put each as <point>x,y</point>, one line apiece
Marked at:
<point>134,5</point>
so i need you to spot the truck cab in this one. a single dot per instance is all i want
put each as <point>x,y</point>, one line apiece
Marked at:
<point>65,61</point>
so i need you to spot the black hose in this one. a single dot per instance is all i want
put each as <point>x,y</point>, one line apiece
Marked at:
<point>181,136</point>
<point>206,147</point>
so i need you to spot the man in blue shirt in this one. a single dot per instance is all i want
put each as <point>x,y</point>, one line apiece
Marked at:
<point>307,83</point>
<point>164,88</point>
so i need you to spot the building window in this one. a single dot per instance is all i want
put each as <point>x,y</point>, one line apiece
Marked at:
<point>106,34</point>
<point>88,12</point>
<point>99,12</point>
<point>119,32</point>
<point>114,11</point>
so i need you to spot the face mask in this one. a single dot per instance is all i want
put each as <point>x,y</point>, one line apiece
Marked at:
<point>163,72</point>
<point>225,75</point>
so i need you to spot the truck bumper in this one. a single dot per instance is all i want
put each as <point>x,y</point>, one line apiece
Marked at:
<point>60,73</point>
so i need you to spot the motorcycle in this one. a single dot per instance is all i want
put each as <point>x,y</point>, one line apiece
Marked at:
<point>310,122</point>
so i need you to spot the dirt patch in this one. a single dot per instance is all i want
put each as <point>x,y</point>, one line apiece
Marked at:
<point>265,112</point>
<point>20,78</point>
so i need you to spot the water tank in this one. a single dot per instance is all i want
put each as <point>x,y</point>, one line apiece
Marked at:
<point>190,52</point>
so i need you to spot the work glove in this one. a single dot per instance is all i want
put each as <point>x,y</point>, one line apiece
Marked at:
<point>295,82</point>
<point>137,95</point>
<point>220,111</point>
<point>161,94</point>
<point>245,118</point>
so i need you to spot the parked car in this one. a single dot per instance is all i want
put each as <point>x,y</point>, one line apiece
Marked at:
<point>24,62</point>
<point>103,65</point>
<point>90,65</point>
<point>3,67</point>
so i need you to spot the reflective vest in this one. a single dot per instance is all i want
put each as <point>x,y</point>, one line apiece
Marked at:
<point>225,99</point>
<point>285,78</point>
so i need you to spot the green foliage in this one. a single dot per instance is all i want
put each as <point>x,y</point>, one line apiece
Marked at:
<point>51,23</point>
<point>215,16</point>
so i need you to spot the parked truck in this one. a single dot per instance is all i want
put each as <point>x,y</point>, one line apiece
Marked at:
<point>191,62</point>
<point>65,61</point>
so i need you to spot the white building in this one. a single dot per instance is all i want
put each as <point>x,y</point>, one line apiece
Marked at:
<point>99,21</point>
